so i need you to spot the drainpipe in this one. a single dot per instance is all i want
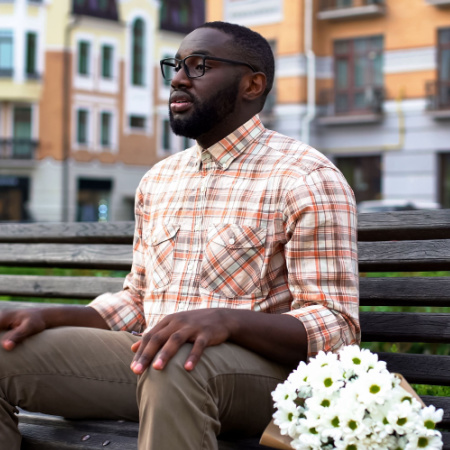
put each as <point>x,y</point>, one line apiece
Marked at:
<point>310,72</point>
<point>66,116</point>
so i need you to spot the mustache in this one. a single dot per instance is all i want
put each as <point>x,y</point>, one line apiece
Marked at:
<point>177,93</point>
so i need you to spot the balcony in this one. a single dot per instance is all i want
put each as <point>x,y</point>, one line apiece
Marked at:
<point>439,3</point>
<point>350,9</point>
<point>438,99</point>
<point>363,107</point>
<point>18,149</point>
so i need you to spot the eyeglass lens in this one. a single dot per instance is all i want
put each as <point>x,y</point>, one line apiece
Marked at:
<point>194,66</point>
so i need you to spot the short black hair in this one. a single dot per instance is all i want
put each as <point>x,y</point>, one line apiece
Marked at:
<point>250,47</point>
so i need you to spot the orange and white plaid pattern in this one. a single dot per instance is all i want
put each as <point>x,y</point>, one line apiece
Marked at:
<point>258,221</point>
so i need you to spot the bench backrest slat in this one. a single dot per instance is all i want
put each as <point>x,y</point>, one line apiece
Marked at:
<point>87,232</point>
<point>58,287</point>
<point>404,255</point>
<point>405,291</point>
<point>405,327</point>
<point>86,256</point>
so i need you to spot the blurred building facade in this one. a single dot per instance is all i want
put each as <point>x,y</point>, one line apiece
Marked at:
<point>81,104</point>
<point>367,82</point>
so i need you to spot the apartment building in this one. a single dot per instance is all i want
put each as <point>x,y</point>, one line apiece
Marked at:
<point>80,108</point>
<point>367,82</point>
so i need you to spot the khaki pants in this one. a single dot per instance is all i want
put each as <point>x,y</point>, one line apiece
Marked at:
<point>84,373</point>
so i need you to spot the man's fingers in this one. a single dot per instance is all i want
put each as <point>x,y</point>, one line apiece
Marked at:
<point>173,344</point>
<point>150,345</point>
<point>15,336</point>
<point>196,353</point>
<point>135,346</point>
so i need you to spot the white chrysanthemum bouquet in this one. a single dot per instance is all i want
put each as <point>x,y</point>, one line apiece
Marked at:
<point>350,401</point>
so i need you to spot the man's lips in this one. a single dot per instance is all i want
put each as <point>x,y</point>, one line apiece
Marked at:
<point>180,102</point>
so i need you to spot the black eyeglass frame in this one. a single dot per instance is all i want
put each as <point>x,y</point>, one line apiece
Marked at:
<point>181,63</point>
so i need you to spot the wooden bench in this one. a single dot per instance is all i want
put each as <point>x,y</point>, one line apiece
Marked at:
<point>408,241</point>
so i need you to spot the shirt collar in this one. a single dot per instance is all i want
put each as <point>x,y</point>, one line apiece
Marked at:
<point>230,147</point>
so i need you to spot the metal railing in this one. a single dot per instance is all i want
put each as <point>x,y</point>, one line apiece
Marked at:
<point>331,104</point>
<point>437,95</point>
<point>327,5</point>
<point>18,148</point>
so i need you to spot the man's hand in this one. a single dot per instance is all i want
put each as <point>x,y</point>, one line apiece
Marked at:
<point>279,337</point>
<point>202,327</point>
<point>21,324</point>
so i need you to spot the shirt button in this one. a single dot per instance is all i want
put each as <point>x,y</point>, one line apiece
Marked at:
<point>203,188</point>
<point>292,289</point>
<point>197,228</point>
<point>190,267</point>
<point>154,239</point>
<point>231,241</point>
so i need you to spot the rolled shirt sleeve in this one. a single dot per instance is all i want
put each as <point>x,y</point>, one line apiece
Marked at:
<point>124,310</point>
<point>321,258</point>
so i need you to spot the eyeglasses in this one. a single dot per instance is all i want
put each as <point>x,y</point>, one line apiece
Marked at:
<point>193,65</point>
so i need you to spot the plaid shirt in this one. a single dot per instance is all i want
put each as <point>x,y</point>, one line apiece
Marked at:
<point>257,221</point>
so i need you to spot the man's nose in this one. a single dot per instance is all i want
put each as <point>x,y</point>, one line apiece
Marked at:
<point>180,78</point>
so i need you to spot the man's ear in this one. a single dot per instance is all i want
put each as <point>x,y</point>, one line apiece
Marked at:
<point>253,86</point>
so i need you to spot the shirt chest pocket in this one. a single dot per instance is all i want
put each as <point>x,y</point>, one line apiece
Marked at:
<point>233,260</point>
<point>160,244</point>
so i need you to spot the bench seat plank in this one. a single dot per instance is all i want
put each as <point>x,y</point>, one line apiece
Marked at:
<point>85,256</point>
<point>58,287</point>
<point>44,432</point>
<point>405,327</point>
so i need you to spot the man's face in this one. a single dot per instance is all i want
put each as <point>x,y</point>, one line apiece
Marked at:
<point>197,106</point>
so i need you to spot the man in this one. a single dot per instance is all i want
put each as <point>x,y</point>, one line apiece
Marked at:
<point>244,263</point>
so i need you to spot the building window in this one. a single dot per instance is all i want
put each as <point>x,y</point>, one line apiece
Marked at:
<point>106,129</point>
<point>107,61</point>
<point>22,143</point>
<point>93,200</point>
<point>444,179</point>
<point>14,197</point>
<point>363,173</point>
<point>31,52</point>
<point>181,16</point>
<point>83,57</point>
<point>6,53</point>
<point>138,56</point>
<point>82,126</point>
<point>444,68</point>
<point>166,136</point>
<point>358,74</point>
<point>138,122</point>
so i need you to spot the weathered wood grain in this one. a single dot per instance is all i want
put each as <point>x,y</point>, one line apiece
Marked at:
<point>418,368</point>
<point>87,256</point>
<point>40,430</point>
<point>385,226</point>
<point>405,291</point>
<point>405,327</point>
<point>79,232</point>
<point>404,225</point>
<point>57,287</point>
<point>404,256</point>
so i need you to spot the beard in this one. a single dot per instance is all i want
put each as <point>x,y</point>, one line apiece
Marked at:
<point>207,114</point>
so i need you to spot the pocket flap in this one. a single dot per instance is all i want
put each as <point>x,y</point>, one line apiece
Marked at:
<point>161,233</point>
<point>238,236</point>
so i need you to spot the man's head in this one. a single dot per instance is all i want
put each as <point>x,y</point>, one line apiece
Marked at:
<point>223,86</point>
